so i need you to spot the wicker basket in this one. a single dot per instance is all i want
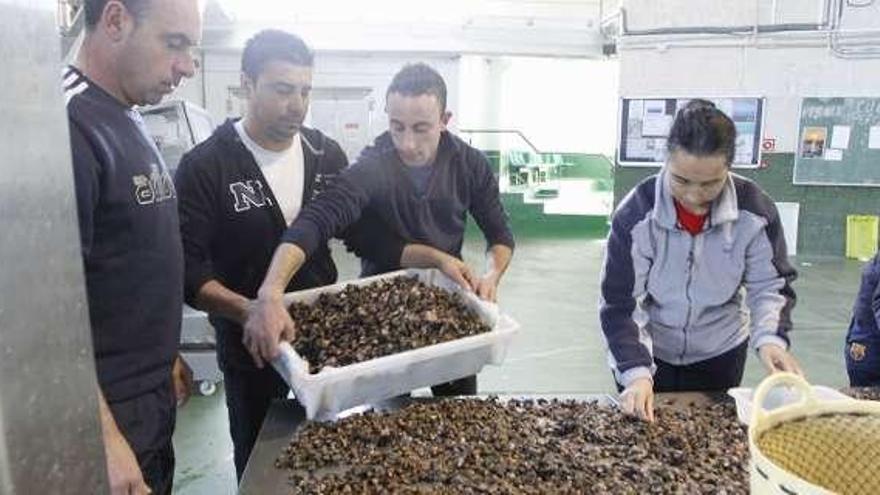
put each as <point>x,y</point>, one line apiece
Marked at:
<point>814,446</point>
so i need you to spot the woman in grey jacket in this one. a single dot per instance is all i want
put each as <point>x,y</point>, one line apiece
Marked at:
<point>695,269</point>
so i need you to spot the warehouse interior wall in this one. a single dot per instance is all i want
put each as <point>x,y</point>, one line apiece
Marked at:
<point>783,67</point>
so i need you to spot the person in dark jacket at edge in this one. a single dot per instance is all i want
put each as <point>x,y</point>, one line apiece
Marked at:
<point>683,245</point>
<point>238,192</point>
<point>134,52</point>
<point>863,337</point>
<point>418,181</point>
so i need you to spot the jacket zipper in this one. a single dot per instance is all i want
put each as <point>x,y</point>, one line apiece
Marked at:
<point>687,294</point>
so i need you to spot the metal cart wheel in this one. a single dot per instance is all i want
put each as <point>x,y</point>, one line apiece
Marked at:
<point>207,387</point>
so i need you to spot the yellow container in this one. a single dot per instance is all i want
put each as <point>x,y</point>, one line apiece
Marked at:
<point>861,236</point>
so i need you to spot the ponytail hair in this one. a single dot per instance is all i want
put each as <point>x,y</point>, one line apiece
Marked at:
<point>700,129</point>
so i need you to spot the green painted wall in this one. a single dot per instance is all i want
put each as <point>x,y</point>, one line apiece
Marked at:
<point>823,210</point>
<point>527,220</point>
<point>596,167</point>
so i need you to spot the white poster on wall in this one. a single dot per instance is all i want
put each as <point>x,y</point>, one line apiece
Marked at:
<point>636,108</point>
<point>655,121</point>
<point>833,155</point>
<point>641,148</point>
<point>725,105</point>
<point>788,215</point>
<point>744,110</point>
<point>743,153</point>
<point>840,137</point>
<point>874,137</point>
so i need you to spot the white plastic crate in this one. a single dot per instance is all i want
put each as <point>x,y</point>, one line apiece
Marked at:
<point>333,389</point>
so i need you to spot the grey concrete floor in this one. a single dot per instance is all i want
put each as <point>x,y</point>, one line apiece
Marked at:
<point>551,289</point>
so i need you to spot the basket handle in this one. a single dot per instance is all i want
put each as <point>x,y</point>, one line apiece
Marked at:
<point>759,414</point>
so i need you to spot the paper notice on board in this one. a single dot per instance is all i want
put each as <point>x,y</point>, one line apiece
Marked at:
<point>840,137</point>
<point>833,155</point>
<point>744,110</point>
<point>655,121</point>
<point>654,108</point>
<point>640,149</point>
<point>743,152</point>
<point>657,126</point>
<point>874,137</point>
<point>725,105</point>
<point>636,109</point>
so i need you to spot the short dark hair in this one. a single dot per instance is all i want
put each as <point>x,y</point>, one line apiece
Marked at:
<point>701,129</point>
<point>94,9</point>
<point>274,45</point>
<point>419,79</point>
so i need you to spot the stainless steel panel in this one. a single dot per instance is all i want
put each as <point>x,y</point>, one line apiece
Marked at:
<point>50,439</point>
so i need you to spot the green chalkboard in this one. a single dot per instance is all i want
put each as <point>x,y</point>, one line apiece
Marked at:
<point>838,142</point>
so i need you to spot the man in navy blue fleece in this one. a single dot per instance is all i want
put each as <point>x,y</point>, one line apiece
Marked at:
<point>863,336</point>
<point>695,269</point>
<point>134,53</point>
<point>419,182</point>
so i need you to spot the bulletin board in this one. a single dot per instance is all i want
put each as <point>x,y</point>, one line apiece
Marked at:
<point>645,123</point>
<point>838,142</point>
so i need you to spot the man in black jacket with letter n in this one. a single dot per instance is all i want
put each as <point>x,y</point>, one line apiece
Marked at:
<point>238,192</point>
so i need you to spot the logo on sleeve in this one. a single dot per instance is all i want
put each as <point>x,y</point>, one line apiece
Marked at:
<point>155,188</point>
<point>249,194</point>
<point>322,183</point>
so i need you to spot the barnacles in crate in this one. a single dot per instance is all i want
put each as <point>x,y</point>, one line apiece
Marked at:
<point>386,317</point>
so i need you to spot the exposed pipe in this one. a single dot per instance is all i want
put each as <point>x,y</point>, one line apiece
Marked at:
<point>732,44</point>
<point>828,30</point>
<point>757,28</point>
<point>778,40</point>
<point>837,48</point>
<point>608,20</point>
<point>757,19</point>
<point>807,38</point>
<point>827,12</point>
<point>856,37</point>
